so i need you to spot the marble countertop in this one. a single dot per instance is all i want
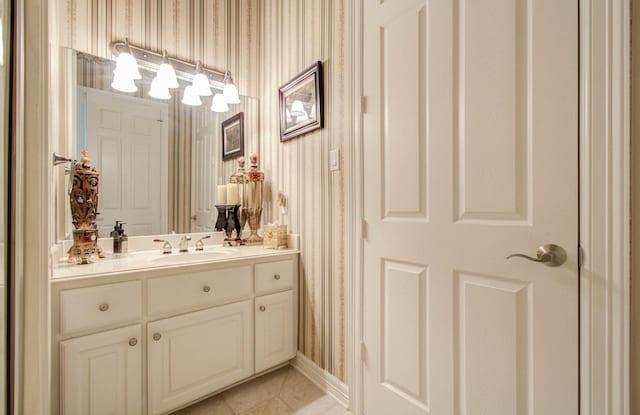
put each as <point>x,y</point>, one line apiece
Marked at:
<point>150,260</point>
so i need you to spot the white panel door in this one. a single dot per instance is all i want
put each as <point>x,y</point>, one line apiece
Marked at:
<point>470,155</point>
<point>198,353</point>
<point>275,342</point>
<point>127,142</point>
<point>101,374</point>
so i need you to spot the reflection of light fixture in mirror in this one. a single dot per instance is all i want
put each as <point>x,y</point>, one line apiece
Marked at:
<point>302,118</point>
<point>313,111</point>
<point>297,108</point>
<point>190,97</point>
<point>289,119</point>
<point>157,90</point>
<point>166,73</point>
<point>230,91</point>
<point>219,104</point>
<point>122,82</point>
<point>126,64</point>
<point>201,82</point>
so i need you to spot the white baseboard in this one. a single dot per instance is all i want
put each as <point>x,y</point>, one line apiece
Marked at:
<point>323,379</point>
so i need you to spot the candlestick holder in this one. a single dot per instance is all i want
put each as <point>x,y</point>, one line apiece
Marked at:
<point>253,196</point>
<point>229,223</point>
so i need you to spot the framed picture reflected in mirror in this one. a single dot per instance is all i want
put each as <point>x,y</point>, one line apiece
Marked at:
<point>233,137</point>
<point>301,101</point>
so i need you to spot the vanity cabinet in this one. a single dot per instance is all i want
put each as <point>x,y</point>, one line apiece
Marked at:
<point>275,342</point>
<point>195,354</point>
<point>102,373</point>
<point>153,341</point>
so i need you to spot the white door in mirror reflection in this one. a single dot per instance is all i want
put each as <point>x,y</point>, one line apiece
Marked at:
<point>127,141</point>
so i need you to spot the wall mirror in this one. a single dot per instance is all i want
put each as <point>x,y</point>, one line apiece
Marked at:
<point>159,160</point>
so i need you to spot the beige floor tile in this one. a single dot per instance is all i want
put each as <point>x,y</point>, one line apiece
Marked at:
<point>298,391</point>
<point>251,394</point>
<point>272,407</point>
<point>212,406</point>
<point>324,405</point>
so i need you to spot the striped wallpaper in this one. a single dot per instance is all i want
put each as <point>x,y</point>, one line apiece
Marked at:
<point>263,43</point>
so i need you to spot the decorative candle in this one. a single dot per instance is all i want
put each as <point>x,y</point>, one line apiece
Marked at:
<point>222,194</point>
<point>232,194</point>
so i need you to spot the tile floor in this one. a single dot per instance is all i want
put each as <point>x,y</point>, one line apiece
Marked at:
<point>283,392</point>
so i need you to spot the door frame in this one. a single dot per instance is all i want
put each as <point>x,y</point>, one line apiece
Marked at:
<point>604,159</point>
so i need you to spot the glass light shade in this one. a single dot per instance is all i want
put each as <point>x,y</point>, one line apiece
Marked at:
<point>190,97</point>
<point>231,94</point>
<point>201,85</point>
<point>157,90</point>
<point>302,118</point>
<point>126,65</point>
<point>219,104</point>
<point>313,111</point>
<point>167,76</point>
<point>297,108</point>
<point>289,119</point>
<point>123,83</point>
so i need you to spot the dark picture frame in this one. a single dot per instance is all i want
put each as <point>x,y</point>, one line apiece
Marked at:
<point>301,103</point>
<point>233,137</point>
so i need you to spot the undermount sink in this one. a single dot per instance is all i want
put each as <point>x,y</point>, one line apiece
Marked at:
<point>194,256</point>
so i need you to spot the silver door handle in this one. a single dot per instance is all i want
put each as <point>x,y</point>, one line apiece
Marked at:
<point>550,255</point>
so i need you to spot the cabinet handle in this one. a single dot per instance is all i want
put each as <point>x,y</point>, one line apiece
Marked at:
<point>157,336</point>
<point>103,307</point>
<point>133,341</point>
<point>276,277</point>
<point>262,308</point>
<point>206,288</point>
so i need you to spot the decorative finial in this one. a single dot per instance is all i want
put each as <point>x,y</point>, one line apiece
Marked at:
<point>241,163</point>
<point>85,157</point>
<point>254,160</point>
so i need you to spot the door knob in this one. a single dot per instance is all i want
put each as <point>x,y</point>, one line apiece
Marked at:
<point>550,255</point>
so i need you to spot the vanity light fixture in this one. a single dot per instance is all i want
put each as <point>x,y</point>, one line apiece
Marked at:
<point>126,64</point>
<point>158,90</point>
<point>190,97</point>
<point>166,73</point>
<point>230,92</point>
<point>219,103</point>
<point>200,82</point>
<point>169,70</point>
<point>123,82</point>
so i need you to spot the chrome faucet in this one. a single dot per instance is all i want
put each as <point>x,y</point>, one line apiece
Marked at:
<point>200,244</point>
<point>166,247</point>
<point>184,243</point>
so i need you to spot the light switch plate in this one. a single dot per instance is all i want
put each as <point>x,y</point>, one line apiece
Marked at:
<point>334,160</point>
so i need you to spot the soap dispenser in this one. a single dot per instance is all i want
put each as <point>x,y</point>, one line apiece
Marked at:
<point>124,240</point>
<point>117,240</point>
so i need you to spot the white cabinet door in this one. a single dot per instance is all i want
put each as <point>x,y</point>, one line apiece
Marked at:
<point>102,373</point>
<point>275,342</point>
<point>195,354</point>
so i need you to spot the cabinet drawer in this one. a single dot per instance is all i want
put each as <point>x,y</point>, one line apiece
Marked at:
<point>198,289</point>
<point>104,305</point>
<point>274,276</point>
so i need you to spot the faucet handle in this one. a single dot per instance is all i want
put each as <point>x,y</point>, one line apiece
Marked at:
<point>166,247</point>
<point>200,244</point>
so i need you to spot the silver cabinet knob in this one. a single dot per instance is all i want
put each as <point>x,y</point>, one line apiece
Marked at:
<point>133,341</point>
<point>103,307</point>
<point>262,308</point>
<point>206,288</point>
<point>276,277</point>
<point>157,336</point>
<point>550,255</point>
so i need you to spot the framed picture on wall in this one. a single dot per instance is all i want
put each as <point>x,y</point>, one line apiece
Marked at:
<point>233,137</point>
<point>301,102</point>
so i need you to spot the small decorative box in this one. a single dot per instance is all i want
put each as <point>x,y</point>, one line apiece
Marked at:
<point>275,236</point>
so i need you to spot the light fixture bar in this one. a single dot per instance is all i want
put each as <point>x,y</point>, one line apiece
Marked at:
<point>184,70</point>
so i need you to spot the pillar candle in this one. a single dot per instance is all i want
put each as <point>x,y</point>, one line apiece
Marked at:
<point>232,194</point>
<point>222,194</point>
